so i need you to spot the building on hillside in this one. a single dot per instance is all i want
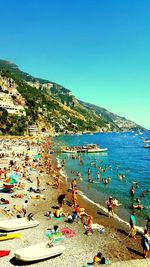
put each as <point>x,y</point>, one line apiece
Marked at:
<point>7,103</point>
<point>32,130</point>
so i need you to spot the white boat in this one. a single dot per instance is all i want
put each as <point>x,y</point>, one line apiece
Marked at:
<point>96,150</point>
<point>68,151</point>
<point>17,224</point>
<point>90,148</point>
<point>147,146</point>
<point>38,252</point>
<point>147,141</point>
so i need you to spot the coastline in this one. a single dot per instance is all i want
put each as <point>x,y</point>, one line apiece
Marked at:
<point>114,243</point>
<point>123,166</point>
<point>117,229</point>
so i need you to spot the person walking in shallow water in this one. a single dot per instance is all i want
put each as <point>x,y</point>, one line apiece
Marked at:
<point>89,175</point>
<point>133,225</point>
<point>98,177</point>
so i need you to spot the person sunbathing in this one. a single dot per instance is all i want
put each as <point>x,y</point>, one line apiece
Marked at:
<point>20,186</point>
<point>18,196</point>
<point>17,209</point>
<point>7,212</point>
<point>98,259</point>
<point>4,201</point>
<point>59,213</point>
<point>88,226</point>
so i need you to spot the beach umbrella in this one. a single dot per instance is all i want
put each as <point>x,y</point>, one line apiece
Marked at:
<point>37,156</point>
<point>14,176</point>
<point>30,152</point>
<point>10,181</point>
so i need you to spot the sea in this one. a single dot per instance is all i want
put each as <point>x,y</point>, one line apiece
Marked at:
<point>126,161</point>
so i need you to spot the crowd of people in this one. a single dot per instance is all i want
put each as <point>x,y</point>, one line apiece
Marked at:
<point>111,204</point>
<point>22,163</point>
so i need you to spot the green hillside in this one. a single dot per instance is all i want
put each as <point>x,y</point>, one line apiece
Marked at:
<point>50,106</point>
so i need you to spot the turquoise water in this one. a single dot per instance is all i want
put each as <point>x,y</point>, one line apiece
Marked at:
<point>126,156</point>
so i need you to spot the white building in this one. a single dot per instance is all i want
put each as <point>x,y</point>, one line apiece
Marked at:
<point>6,102</point>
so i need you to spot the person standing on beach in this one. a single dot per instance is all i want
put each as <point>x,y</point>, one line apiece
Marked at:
<point>38,182</point>
<point>1,172</point>
<point>58,181</point>
<point>61,200</point>
<point>109,203</point>
<point>74,197</point>
<point>24,207</point>
<point>148,225</point>
<point>145,243</point>
<point>133,225</point>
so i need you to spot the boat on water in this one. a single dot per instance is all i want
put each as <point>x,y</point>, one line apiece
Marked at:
<point>147,141</point>
<point>90,148</point>
<point>147,146</point>
<point>39,251</point>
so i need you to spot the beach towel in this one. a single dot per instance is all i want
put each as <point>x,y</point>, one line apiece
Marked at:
<point>107,262</point>
<point>4,253</point>
<point>98,227</point>
<point>58,219</point>
<point>37,156</point>
<point>55,236</point>
<point>67,232</point>
<point>6,190</point>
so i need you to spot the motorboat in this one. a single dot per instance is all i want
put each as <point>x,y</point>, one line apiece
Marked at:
<point>90,148</point>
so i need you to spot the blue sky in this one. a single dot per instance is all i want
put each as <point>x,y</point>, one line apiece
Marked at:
<point>99,49</point>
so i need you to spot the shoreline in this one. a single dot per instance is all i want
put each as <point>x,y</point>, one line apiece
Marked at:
<point>103,209</point>
<point>114,243</point>
<point>122,174</point>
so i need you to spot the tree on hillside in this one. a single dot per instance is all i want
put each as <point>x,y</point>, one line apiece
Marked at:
<point>3,115</point>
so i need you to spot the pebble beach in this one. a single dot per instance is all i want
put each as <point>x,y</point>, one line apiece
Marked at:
<point>114,243</point>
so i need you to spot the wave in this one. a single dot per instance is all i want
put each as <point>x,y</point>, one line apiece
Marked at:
<point>139,229</point>
<point>63,173</point>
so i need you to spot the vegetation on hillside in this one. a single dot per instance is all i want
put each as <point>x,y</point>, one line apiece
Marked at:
<point>52,108</point>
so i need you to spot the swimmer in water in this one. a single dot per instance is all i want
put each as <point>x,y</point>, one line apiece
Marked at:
<point>79,175</point>
<point>89,175</point>
<point>98,176</point>
<point>132,191</point>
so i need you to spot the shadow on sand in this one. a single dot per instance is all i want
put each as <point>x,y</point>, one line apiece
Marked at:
<point>135,251</point>
<point>69,203</point>
<point>16,262</point>
<point>121,231</point>
<point>103,214</point>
